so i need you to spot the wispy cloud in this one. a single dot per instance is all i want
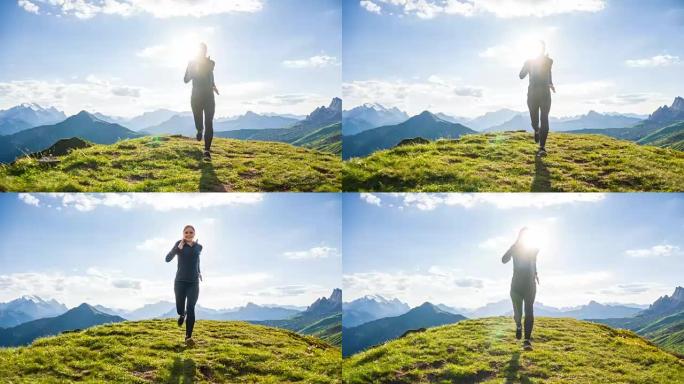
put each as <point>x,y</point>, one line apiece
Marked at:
<point>318,61</point>
<point>86,9</point>
<point>664,60</point>
<point>659,250</point>
<point>85,202</point>
<point>321,252</point>
<point>431,201</point>
<point>428,9</point>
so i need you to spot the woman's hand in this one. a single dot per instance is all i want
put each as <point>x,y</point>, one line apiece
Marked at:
<point>180,244</point>
<point>552,88</point>
<point>216,90</point>
<point>200,276</point>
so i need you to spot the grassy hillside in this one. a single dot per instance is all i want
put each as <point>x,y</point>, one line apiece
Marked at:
<point>667,332</point>
<point>328,329</point>
<point>485,351</point>
<point>506,162</point>
<point>326,139</point>
<point>153,352</point>
<point>671,136</point>
<point>174,163</point>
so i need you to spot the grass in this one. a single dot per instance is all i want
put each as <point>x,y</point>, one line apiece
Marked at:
<point>174,164</point>
<point>153,352</point>
<point>486,351</point>
<point>506,162</point>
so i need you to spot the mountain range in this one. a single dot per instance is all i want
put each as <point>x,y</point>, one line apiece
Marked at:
<point>323,319</point>
<point>591,120</point>
<point>184,124</point>
<point>369,308</point>
<point>80,317</point>
<point>321,130</point>
<point>27,115</point>
<point>425,125</point>
<point>83,125</point>
<point>372,307</point>
<point>27,308</point>
<point>664,128</point>
<point>662,321</point>
<point>358,338</point>
<point>369,116</point>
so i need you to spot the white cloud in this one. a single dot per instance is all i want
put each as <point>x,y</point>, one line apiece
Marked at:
<point>406,95</point>
<point>655,61</point>
<point>370,198</point>
<point>86,9</point>
<point>74,95</point>
<point>154,244</point>
<point>496,243</point>
<point>318,61</point>
<point>113,289</point>
<point>158,201</point>
<point>437,284</point>
<point>430,201</point>
<point>28,6</point>
<point>371,6</point>
<point>322,252</point>
<point>29,199</point>
<point>428,9</point>
<point>659,250</point>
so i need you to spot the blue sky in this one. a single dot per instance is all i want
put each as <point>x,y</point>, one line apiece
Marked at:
<point>122,59</point>
<point>462,57</point>
<point>109,249</point>
<point>447,248</point>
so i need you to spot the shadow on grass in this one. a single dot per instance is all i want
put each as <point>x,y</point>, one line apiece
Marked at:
<point>542,176</point>
<point>209,182</point>
<point>512,371</point>
<point>182,371</point>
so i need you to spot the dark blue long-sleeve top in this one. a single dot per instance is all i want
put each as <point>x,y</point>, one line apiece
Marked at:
<point>188,261</point>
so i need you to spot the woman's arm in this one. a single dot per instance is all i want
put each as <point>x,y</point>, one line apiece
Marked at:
<point>173,252</point>
<point>507,256</point>
<point>551,77</point>
<point>524,71</point>
<point>187,76</point>
<point>199,271</point>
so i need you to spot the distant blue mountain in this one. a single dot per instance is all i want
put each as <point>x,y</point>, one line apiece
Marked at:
<point>82,125</point>
<point>27,308</point>
<point>27,115</point>
<point>80,317</point>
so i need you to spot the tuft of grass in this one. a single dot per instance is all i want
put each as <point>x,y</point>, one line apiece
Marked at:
<point>486,351</point>
<point>506,162</point>
<point>153,351</point>
<point>174,164</point>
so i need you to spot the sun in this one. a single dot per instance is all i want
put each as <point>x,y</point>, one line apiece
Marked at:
<point>536,237</point>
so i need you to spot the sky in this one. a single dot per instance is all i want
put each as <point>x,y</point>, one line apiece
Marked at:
<point>124,57</point>
<point>109,249</point>
<point>447,248</point>
<point>462,57</point>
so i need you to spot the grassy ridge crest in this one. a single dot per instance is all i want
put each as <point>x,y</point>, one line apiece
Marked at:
<point>153,351</point>
<point>506,162</point>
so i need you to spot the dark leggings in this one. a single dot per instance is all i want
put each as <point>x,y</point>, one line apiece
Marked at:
<point>526,296</point>
<point>203,108</point>
<point>539,104</point>
<point>190,291</point>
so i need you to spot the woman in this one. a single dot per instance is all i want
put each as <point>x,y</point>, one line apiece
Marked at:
<point>201,72</point>
<point>188,276</point>
<point>523,284</point>
<point>539,94</point>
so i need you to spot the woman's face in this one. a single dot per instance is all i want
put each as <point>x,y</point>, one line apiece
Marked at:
<point>188,234</point>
